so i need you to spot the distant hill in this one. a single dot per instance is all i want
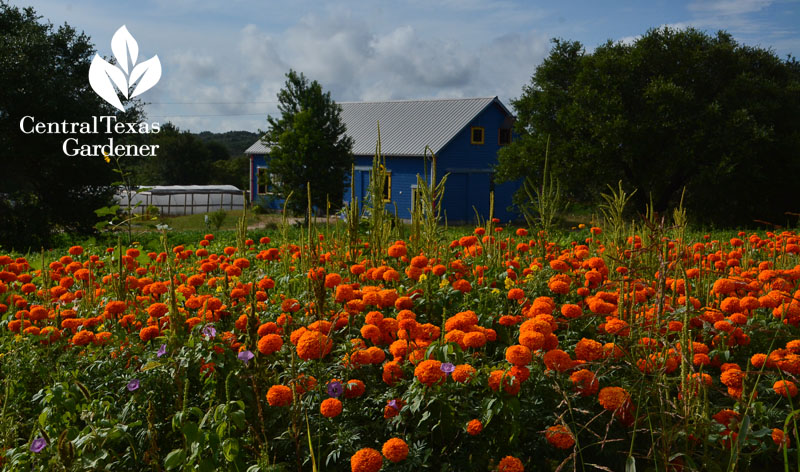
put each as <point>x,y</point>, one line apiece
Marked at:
<point>234,141</point>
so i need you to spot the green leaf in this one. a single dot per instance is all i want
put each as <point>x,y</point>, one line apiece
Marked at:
<point>192,433</point>
<point>230,447</point>
<point>151,365</point>
<point>175,458</point>
<point>112,210</point>
<point>238,417</point>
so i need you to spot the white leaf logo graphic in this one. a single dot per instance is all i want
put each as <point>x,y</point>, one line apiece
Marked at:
<point>103,76</point>
<point>149,71</point>
<point>122,43</point>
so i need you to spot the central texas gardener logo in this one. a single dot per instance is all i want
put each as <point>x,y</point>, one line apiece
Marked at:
<point>104,76</point>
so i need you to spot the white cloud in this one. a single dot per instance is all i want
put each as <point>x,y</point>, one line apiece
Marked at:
<point>729,7</point>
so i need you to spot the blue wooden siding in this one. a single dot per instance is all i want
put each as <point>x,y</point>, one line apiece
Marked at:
<point>471,167</point>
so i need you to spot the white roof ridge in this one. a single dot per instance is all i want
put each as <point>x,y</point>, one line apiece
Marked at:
<point>412,100</point>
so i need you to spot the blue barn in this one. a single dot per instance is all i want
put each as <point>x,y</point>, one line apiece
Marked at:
<point>465,134</point>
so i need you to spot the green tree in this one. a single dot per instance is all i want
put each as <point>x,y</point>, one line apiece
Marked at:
<point>44,74</point>
<point>308,144</point>
<point>183,159</point>
<point>674,109</point>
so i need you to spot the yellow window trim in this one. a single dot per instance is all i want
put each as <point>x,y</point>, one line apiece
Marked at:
<point>388,187</point>
<point>259,171</point>
<point>472,135</point>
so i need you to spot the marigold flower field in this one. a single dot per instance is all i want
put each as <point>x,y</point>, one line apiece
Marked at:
<point>500,351</point>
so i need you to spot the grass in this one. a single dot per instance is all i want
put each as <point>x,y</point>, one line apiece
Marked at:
<point>197,221</point>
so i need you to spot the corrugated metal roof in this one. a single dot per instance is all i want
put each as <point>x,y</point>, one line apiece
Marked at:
<point>258,147</point>
<point>165,189</point>
<point>407,126</point>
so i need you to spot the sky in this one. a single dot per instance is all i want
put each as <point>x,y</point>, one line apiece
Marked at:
<point>224,61</point>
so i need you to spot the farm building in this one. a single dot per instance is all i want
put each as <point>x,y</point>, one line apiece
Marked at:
<point>465,134</point>
<point>178,200</point>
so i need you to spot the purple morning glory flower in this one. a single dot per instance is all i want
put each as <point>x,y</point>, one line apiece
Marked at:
<point>38,444</point>
<point>245,356</point>
<point>162,350</point>
<point>447,368</point>
<point>335,389</point>
<point>133,385</point>
<point>209,331</point>
<point>394,404</point>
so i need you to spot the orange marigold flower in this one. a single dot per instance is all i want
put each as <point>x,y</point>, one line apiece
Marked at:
<point>392,372</point>
<point>330,408</point>
<point>533,340</point>
<point>462,285</point>
<point>779,438</point>
<point>510,464</point>
<point>557,360</point>
<point>559,436</point>
<point>429,372</point>
<point>732,378</point>
<point>724,417</point>
<point>519,355</point>
<point>588,350</point>
<point>474,427</point>
<point>366,460</point>
<point>585,382</point>
<point>617,326</point>
<point>354,388</point>
<point>115,307</point>
<point>758,359</point>
<point>571,311</point>
<point>463,373</point>
<point>313,345</point>
<point>147,333</point>
<point>395,450</point>
<point>511,385</point>
<point>279,395</point>
<point>157,310</point>
<point>516,294</point>
<point>785,388</point>
<point>270,344</point>
<point>474,339</point>
<point>613,398</point>
<point>82,338</point>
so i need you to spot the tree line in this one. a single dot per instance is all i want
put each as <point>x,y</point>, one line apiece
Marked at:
<point>675,114</point>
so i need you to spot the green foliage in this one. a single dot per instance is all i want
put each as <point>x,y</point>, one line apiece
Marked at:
<point>308,144</point>
<point>675,109</point>
<point>217,219</point>
<point>235,142</point>
<point>182,159</point>
<point>43,73</point>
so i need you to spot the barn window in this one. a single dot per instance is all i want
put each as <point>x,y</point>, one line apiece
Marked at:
<point>504,136</point>
<point>476,136</point>
<point>262,181</point>
<point>387,187</point>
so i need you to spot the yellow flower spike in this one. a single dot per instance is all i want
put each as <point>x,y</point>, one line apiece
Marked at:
<point>106,158</point>
<point>495,291</point>
<point>443,284</point>
<point>509,283</point>
<point>423,278</point>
